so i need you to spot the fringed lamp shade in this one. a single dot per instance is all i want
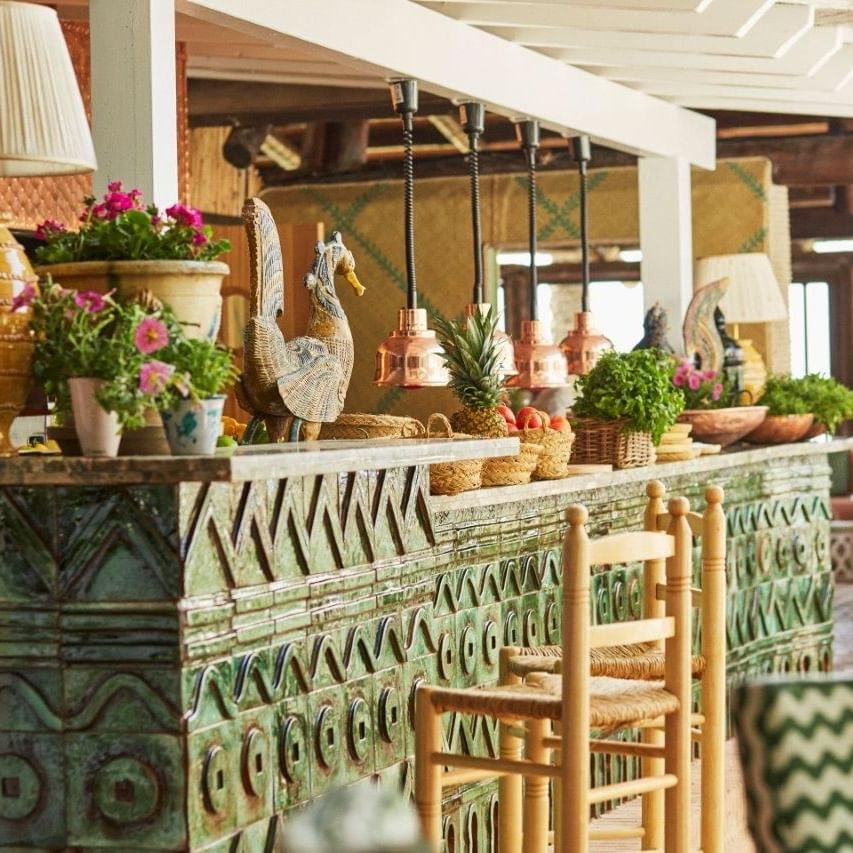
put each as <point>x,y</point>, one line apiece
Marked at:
<point>43,127</point>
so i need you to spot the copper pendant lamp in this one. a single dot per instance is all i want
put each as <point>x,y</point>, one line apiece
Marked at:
<point>584,344</point>
<point>538,359</point>
<point>411,357</point>
<point>472,117</point>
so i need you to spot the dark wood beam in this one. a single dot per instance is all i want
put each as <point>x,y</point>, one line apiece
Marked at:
<point>820,224</point>
<point>213,103</point>
<point>799,197</point>
<point>334,147</point>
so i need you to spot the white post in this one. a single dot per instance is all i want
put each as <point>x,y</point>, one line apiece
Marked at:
<point>666,238</point>
<point>134,100</point>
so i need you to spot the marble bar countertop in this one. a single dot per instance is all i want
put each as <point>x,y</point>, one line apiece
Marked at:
<point>260,462</point>
<point>738,456</point>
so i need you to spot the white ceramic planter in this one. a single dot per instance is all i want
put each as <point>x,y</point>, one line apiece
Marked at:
<point>192,428</point>
<point>98,431</point>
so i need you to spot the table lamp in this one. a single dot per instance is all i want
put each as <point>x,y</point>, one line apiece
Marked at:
<point>753,296</point>
<point>43,131</point>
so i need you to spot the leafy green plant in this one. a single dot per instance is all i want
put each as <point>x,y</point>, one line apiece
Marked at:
<point>828,400</point>
<point>86,334</point>
<point>200,369</point>
<point>121,228</point>
<point>636,386</point>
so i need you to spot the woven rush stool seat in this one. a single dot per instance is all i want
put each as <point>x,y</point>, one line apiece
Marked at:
<point>644,662</point>
<point>613,701</point>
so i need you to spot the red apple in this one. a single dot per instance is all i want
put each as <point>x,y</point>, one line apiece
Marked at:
<point>507,414</point>
<point>529,417</point>
<point>559,423</point>
<point>511,428</point>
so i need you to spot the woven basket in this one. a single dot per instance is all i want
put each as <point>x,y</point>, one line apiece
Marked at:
<point>372,426</point>
<point>604,443</point>
<point>512,470</point>
<point>451,478</point>
<point>553,462</point>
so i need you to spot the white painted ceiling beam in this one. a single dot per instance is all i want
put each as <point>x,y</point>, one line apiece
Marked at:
<point>775,33</point>
<point>456,60</point>
<point>652,5</point>
<point>680,89</point>
<point>733,18</point>
<point>807,56</point>
<point>841,108</point>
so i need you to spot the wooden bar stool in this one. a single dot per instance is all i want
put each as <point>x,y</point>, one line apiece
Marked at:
<point>579,703</point>
<point>646,661</point>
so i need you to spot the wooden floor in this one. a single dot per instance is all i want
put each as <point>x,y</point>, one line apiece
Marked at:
<point>737,837</point>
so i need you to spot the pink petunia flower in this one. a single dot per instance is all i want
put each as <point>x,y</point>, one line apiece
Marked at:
<point>199,238</point>
<point>117,203</point>
<point>150,335</point>
<point>47,228</point>
<point>184,215</point>
<point>709,374</point>
<point>115,187</point>
<point>89,301</point>
<point>717,392</point>
<point>678,379</point>
<point>154,376</point>
<point>23,299</point>
<point>693,382</point>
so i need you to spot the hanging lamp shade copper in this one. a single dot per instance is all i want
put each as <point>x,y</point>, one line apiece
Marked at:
<point>538,359</point>
<point>583,345</point>
<point>472,117</point>
<point>411,356</point>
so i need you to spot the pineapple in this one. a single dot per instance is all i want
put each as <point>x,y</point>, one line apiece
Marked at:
<point>471,355</point>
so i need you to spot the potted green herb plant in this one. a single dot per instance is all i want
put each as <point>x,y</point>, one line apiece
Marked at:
<point>190,376</point>
<point>711,405</point>
<point>87,360</point>
<point>829,401</point>
<point>126,246</point>
<point>625,404</point>
<point>789,414</point>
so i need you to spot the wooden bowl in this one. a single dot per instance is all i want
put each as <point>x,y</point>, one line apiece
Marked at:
<point>781,429</point>
<point>723,426</point>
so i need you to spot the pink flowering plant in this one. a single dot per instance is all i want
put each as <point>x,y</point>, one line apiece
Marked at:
<point>88,334</point>
<point>702,389</point>
<point>121,227</point>
<point>197,368</point>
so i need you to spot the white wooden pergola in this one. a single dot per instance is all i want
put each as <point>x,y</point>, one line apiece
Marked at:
<point>625,72</point>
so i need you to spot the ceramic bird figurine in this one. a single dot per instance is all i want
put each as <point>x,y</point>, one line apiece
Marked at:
<point>296,385</point>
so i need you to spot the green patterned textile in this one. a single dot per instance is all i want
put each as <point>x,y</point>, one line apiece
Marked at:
<point>796,748</point>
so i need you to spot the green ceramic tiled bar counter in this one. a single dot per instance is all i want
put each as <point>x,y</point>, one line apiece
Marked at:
<point>192,647</point>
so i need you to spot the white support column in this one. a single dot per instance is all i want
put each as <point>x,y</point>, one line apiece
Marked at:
<point>134,100</point>
<point>666,238</point>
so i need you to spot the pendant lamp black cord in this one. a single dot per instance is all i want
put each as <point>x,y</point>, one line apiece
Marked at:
<point>474,171</point>
<point>584,238</point>
<point>531,221</point>
<point>409,205</point>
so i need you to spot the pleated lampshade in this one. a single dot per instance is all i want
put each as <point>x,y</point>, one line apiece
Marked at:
<point>43,127</point>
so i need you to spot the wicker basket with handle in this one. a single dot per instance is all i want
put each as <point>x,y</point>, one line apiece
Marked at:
<point>553,462</point>
<point>451,478</point>
<point>606,443</point>
<point>372,426</point>
<point>512,470</point>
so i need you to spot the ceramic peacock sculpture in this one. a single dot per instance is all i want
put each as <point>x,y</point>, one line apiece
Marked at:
<point>296,385</point>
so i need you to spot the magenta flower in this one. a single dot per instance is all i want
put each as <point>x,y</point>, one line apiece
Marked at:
<point>717,392</point>
<point>678,379</point>
<point>154,376</point>
<point>115,187</point>
<point>150,335</point>
<point>48,228</point>
<point>89,301</point>
<point>709,375</point>
<point>184,215</point>
<point>693,382</point>
<point>199,238</point>
<point>23,299</point>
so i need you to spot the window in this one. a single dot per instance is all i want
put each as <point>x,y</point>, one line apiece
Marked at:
<point>808,317</point>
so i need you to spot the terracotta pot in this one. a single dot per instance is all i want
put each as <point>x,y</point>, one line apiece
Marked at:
<point>149,440</point>
<point>816,429</point>
<point>98,431</point>
<point>189,288</point>
<point>781,429</point>
<point>723,426</point>
<point>193,427</point>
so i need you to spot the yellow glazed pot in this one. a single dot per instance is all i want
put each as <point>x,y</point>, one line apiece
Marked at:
<point>190,288</point>
<point>16,340</point>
